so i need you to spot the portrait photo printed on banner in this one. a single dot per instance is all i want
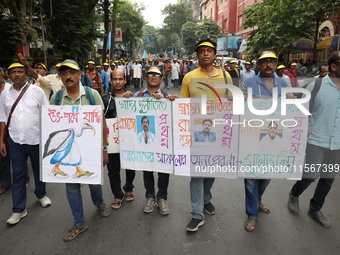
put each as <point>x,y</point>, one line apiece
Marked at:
<point>145,134</point>
<point>71,144</point>
<point>208,141</point>
<point>272,146</point>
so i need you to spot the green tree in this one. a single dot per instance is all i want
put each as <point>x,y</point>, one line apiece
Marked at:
<point>176,15</point>
<point>72,27</point>
<point>16,27</point>
<point>150,35</point>
<point>131,21</point>
<point>188,36</point>
<point>208,29</point>
<point>277,24</point>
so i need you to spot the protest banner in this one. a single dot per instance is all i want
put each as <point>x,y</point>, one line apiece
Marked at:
<point>71,144</point>
<point>145,134</point>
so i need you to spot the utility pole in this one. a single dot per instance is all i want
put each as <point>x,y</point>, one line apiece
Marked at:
<point>43,33</point>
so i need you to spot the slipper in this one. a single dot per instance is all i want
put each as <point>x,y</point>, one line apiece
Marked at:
<point>86,175</point>
<point>117,203</point>
<point>74,232</point>
<point>129,196</point>
<point>3,190</point>
<point>250,225</point>
<point>60,175</point>
<point>263,208</point>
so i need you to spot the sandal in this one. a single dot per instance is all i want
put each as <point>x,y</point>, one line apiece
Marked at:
<point>250,225</point>
<point>117,203</point>
<point>129,196</point>
<point>74,232</point>
<point>263,208</point>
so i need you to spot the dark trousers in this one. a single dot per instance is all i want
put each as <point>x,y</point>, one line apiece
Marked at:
<point>113,168</point>
<point>19,155</point>
<point>137,83</point>
<point>5,172</point>
<point>149,184</point>
<point>317,155</point>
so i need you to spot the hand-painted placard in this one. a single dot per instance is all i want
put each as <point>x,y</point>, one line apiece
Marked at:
<point>71,144</point>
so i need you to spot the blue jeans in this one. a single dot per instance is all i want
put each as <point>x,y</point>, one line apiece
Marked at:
<point>19,155</point>
<point>200,195</point>
<point>167,80</point>
<point>317,155</point>
<point>254,191</point>
<point>76,202</point>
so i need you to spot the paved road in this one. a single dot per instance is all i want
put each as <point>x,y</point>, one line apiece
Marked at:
<point>130,231</point>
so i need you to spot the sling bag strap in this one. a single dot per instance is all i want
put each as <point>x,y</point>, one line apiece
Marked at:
<point>15,104</point>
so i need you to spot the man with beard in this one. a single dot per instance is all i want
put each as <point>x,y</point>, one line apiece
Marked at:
<point>323,144</point>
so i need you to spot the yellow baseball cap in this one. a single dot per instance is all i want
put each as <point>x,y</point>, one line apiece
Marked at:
<point>233,61</point>
<point>16,64</point>
<point>267,55</point>
<point>154,69</point>
<point>208,44</point>
<point>90,62</point>
<point>70,64</point>
<point>280,67</point>
<point>41,64</point>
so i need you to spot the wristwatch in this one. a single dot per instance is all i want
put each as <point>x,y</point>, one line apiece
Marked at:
<point>105,148</point>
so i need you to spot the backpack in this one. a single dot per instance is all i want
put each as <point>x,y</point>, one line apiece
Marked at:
<point>88,94</point>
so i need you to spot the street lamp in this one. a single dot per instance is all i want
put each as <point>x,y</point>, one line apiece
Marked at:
<point>42,32</point>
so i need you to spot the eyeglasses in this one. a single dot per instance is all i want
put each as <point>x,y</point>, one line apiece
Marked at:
<point>268,61</point>
<point>153,75</point>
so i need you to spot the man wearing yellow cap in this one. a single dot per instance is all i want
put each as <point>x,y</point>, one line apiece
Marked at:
<point>234,72</point>
<point>247,73</point>
<point>74,94</point>
<point>262,85</point>
<point>200,187</point>
<point>280,72</point>
<point>291,73</point>
<point>154,79</point>
<point>56,82</point>
<point>23,137</point>
<point>95,77</point>
<point>39,75</point>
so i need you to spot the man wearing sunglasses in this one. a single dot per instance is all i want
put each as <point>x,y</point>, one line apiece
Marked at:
<point>154,79</point>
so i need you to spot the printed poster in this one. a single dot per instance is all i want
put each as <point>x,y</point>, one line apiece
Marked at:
<point>145,134</point>
<point>204,145</point>
<point>272,146</point>
<point>112,135</point>
<point>71,144</point>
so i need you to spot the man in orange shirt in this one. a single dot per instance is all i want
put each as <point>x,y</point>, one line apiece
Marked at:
<point>167,70</point>
<point>95,77</point>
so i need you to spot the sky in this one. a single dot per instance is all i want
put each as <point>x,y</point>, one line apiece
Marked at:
<point>153,8</point>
